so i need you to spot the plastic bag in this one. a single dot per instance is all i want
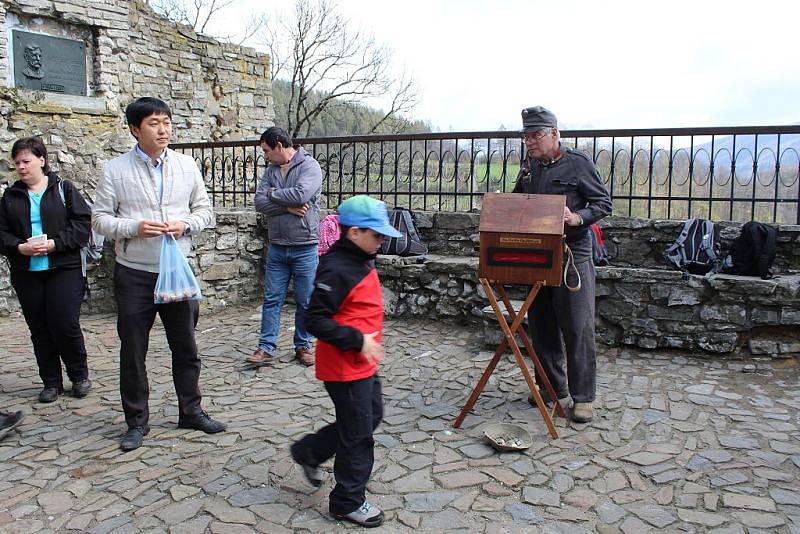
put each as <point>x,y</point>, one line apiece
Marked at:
<point>176,281</point>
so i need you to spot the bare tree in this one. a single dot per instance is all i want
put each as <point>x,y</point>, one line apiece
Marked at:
<point>327,62</point>
<point>201,15</point>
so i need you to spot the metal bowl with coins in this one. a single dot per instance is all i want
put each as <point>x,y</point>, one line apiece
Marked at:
<point>508,437</point>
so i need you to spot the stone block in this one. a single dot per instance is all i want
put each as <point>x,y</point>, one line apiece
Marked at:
<point>719,343</point>
<point>632,223</point>
<point>724,313</point>
<point>226,241</point>
<point>789,347</point>
<point>762,346</point>
<point>221,271</point>
<point>674,342</point>
<point>790,315</point>
<point>765,316</point>
<point>677,313</point>
<point>660,291</point>
<point>679,296</point>
<point>456,221</point>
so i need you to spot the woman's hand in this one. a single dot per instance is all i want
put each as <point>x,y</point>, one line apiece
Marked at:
<point>26,249</point>
<point>40,248</point>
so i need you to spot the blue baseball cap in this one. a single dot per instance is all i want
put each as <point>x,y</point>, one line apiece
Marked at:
<point>362,211</point>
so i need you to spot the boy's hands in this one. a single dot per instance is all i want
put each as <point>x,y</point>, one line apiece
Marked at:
<point>371,348</point>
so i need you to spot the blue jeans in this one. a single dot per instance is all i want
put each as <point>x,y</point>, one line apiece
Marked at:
<point>283,263</point>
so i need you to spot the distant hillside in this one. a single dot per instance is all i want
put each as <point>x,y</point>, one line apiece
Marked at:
<point>344,118</point>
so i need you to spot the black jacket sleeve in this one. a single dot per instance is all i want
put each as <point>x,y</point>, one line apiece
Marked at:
<point>598,201</point>
<point>8,240</point>
<point>330,291</point>
<point>78,228</point>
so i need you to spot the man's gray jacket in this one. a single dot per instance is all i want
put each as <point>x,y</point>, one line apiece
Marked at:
<point>127,193</point>
<point>574,175</point>
<point>275,193</point>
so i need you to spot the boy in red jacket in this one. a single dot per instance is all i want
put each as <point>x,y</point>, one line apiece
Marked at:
<point>346,316</point>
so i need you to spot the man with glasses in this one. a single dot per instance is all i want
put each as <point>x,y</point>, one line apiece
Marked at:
<point>558,312</point>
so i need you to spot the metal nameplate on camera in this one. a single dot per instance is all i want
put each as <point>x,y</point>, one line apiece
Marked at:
<point>47,63</point>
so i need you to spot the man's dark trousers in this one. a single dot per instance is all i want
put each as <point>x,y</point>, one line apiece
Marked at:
<point>557,311</point>
<point>359,411</point>
<point>136,313</point>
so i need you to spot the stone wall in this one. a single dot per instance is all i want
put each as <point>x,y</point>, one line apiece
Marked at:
<point>227,259</point>
<point>641,301</point>
<point>631,242</point>
<point>724,314</point>
<point>644,307</point>
<point>216,91</point>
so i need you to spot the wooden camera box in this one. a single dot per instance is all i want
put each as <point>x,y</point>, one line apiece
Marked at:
<point>522,238</point>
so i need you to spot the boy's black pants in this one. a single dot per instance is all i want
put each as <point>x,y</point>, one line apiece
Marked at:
<point>359,411</point>
<point>136,313</point>
<point>51,304</point>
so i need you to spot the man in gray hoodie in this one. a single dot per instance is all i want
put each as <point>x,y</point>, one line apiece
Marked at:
<point>142,195</point>
<point>288,194</point>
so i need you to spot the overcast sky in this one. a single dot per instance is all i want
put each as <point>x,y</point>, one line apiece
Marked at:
<point>596,64</point>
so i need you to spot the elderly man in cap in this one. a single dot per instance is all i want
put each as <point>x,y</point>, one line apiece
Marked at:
<point>552,169</point>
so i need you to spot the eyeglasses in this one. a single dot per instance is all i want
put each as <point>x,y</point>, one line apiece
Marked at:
<point>537,135</point>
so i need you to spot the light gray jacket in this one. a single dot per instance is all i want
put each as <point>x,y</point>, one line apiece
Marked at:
<point>127,193</point>
<point>275,193</point>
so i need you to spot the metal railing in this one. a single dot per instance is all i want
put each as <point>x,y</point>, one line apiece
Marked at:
<point>732,173</point>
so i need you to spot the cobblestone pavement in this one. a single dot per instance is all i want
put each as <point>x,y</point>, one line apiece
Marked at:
<point>677,444</point>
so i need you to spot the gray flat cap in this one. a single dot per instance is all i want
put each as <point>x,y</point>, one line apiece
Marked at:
<point>536,118</point>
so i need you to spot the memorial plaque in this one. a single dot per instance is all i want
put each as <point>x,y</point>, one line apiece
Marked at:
<point>48,63</point>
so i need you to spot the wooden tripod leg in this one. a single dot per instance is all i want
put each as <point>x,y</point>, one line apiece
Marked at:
<point>512,342</point>
<point>537,364</point>
<point>518,317</point>
<point>509,341</point>
<point>473,398</point>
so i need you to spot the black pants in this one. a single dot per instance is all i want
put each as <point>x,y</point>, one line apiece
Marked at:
<point>359,411</point>
<point>51,304</point>
<point>136,313</point>
<point>558,312</point>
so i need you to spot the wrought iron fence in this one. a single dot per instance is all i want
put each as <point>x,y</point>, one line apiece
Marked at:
<point>735,173</point>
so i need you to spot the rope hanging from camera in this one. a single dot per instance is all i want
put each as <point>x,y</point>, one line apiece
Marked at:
<point>571,261</point>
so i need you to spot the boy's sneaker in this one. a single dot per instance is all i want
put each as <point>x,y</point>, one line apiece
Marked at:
<point>365,515</point>
<point>313,474</point>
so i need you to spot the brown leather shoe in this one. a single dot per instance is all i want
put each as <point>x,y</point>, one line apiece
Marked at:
<point>305,356</point>
<point>260,357</point>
